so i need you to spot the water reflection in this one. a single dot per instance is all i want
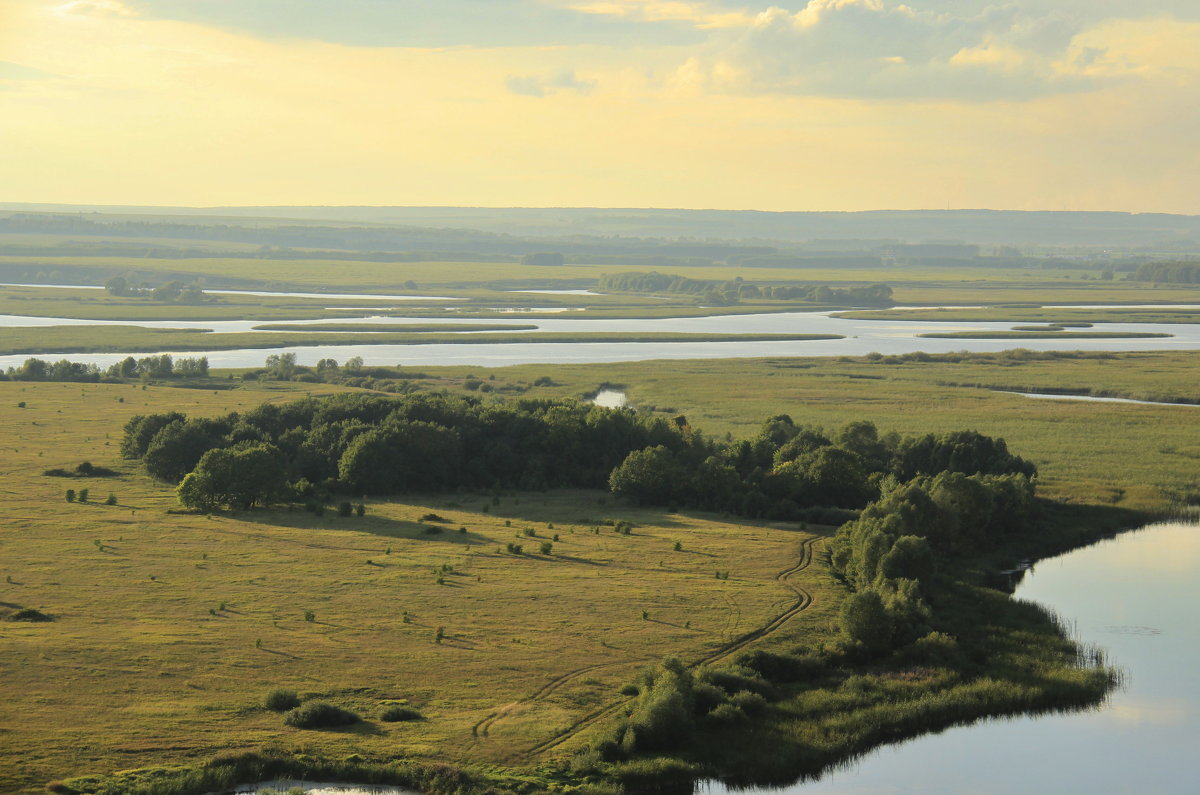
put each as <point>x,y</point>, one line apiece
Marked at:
<point>1132,596</point>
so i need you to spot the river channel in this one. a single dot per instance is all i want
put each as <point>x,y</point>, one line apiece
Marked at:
<point>859,337</point>
<point>1134,597</point>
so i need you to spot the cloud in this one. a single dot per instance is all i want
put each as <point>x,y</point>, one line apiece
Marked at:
<point>17,72</point>
<point>700,14</point>
<point>880,49</point>
<point>98,8</point>
<point>422,23</point>
<point>562,80</point>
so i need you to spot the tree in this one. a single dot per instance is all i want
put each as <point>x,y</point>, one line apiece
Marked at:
<point>238,477</point>
<point>117,285</point>
<point>865,620</point>
<point>648,476</point>
<point>281,365</point>
<point>546,259</point>
<point>177,448</point>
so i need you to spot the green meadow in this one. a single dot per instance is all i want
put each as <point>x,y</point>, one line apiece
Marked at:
<point>170,628</point>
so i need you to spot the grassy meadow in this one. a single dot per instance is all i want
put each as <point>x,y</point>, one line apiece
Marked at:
<point>170,628</point>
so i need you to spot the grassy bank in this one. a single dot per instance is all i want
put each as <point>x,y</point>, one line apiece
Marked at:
<point>1055,316</point>
<point>1042,335</point>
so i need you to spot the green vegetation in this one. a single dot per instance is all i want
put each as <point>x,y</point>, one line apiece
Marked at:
<point>1064,318</point>
<point>412,328</point>
<point>1168,272</point>
<point>281,700</point>
<point>150,586</point>
<point>715,293</point>
<point>1042,335</point>
<point>319,715</point>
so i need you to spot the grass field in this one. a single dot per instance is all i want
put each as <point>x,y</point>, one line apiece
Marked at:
<point>170,628</point>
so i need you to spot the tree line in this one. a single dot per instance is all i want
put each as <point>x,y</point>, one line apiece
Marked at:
<point>1168,272</point>
<point>150,367</point>
<point>719,293</point>
<point>371,444</point>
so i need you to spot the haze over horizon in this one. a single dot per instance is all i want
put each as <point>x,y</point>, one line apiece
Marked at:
<point>818,105</point>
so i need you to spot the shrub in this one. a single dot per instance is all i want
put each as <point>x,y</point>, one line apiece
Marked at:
<point>395,714</point>
<point>111,499</point>
<point>310,615</point>
<point>432,517</point>
<point>281,700</point>
<point>749,703</point>
<point>319,715</point>
<point>726,715</point>
<point>345,508</point>
<point>70,495</point>
<point>360,509</point>
<point>30,615</point>
<point>83,495</point>
<point>546,547</point>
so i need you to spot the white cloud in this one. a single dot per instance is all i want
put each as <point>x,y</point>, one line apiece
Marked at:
<point>542,86</point>
<point>100,8</point>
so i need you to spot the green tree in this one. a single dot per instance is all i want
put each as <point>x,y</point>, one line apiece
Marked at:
<point>238,477</point>
<point>865,620</point>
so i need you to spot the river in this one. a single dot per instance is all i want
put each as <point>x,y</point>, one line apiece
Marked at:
<point>1134,597</point>
<point>860,337</point>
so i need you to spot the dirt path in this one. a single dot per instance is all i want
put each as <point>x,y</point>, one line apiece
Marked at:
<point>803,600</point>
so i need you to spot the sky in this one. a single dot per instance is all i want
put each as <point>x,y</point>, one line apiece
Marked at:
<point>810,105</point>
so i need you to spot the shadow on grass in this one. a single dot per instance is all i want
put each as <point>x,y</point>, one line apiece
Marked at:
<point>374,525</point>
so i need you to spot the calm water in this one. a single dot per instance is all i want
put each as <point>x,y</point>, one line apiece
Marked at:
<point>1134,597</point>
<point>861,336</point>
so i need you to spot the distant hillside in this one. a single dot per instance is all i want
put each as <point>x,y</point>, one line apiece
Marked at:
<point>831,230</point>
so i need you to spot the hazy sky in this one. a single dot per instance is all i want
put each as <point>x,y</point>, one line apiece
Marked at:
<point>817,104</point>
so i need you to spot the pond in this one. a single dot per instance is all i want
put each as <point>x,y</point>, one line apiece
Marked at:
<point>1134,597</point>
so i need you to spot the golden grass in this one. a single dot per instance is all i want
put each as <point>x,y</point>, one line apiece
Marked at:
<point>142,666</point>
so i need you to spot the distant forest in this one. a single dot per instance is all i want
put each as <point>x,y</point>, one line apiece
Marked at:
<point>724,293</point>
<point>1169,272</point>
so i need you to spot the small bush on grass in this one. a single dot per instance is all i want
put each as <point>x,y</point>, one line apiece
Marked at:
<point>345,508</point>
<point>319,715</point>
<point>30,615</point>
<point>395,714</point>
<point>281,700</point>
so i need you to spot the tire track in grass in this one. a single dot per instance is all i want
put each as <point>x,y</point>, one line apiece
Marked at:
<point>483,727</point>
<point>803,600</point>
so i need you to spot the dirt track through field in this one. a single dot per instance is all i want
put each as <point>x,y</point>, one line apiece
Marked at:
<point>803,600</point>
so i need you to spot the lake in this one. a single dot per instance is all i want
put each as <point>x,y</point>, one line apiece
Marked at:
<point>1134,597</point>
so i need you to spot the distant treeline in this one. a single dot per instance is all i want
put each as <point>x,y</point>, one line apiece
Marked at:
<point>156,367</point>
<point>1169,272</point>
<point>722,293</point>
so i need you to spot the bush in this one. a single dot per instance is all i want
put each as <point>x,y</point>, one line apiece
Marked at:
<point>281,700</point>
<point>83,495</point>
<point>30,615</point>
<point>547,547</point>
<point>70,495</point>
<point>111,500</point>
<point>319,715</point>
<point>345,508</point>
<point>395,714</point>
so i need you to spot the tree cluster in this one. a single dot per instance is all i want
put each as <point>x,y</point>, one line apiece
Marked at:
<point>890,554</point>
<point>154,366</point>
<point>718,293</point>
<point>788,469</point>
<point>367,444</point>
<point>1168,272</point>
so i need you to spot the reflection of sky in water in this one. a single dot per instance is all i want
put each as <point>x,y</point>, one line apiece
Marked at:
<point>1134,597</point>
<point>861,337</point>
